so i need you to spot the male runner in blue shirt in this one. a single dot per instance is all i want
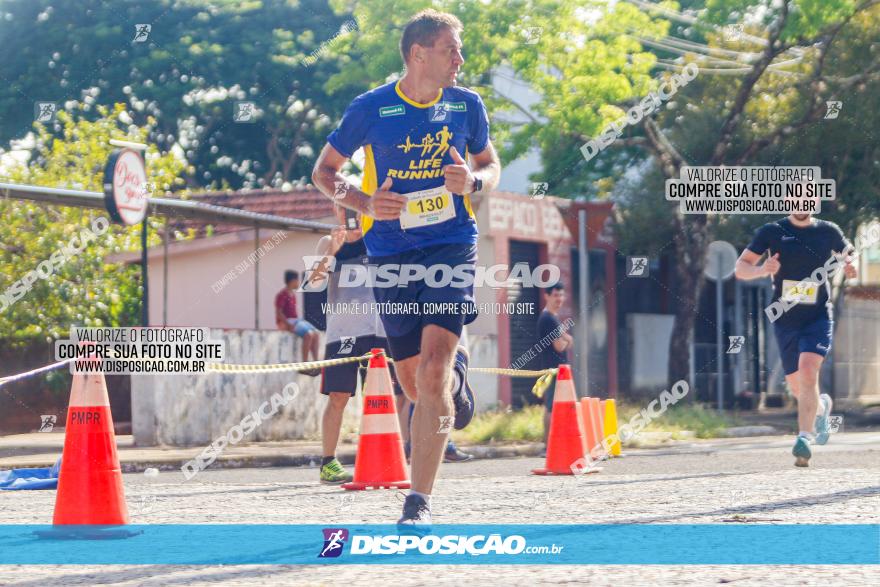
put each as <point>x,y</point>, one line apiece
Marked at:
<point>799,247</point>
<point>415,201</point>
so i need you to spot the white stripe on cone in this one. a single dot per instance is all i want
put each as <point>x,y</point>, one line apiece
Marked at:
<point>565,392</point>
<point>378,382</point>
<point>379,424</point>
<point>89,390</point>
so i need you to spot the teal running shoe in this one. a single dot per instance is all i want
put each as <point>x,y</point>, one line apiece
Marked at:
<point>823,419</point>
<point>801,452</point>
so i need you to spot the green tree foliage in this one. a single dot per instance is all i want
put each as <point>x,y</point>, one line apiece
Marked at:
<point>575,55</point>
<point>795,56</point>
<point>587,60</point>
<point>84,290</point>
<point>199,58</point>
<point>783,124</point>
<point>593,60</point>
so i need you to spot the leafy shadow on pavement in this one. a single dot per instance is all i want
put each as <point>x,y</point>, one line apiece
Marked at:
<point>233,489</point>
<point>801,502</point>
<point>155,572</point>
<point>678,478</point>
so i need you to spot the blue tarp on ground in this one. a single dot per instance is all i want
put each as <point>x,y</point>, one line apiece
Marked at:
<point>30,478</point>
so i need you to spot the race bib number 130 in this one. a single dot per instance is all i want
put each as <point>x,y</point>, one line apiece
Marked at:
<point>426,208</point>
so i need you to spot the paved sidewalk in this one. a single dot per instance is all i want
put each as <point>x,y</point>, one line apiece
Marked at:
<point>43,449</point>
<point>785,419</point>
<point>720,481</point>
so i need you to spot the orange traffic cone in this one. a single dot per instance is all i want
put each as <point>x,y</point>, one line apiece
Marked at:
<point>583,425</point>
<point>90,481</point>
<point>590,428</point>
<point>596,450</point>
<point>565,443</point>
<point>380,462</point>
<point>601,423</point>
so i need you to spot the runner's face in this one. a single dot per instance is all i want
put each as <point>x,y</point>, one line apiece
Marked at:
<point>444,59</point>
<point>803,216</point>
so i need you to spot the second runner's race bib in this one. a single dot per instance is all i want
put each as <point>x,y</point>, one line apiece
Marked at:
<point>426,208</point>
<point>799,292</point>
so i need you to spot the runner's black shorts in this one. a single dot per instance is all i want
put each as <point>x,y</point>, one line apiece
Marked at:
<point>401,307</point>
<point>344,378</point>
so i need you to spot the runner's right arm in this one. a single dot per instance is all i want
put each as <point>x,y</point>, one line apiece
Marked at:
<point>382,205</point>
<point>747,265</point>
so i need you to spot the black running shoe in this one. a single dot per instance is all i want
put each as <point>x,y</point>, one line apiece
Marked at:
<point>463,397</point>
<point>416,512</point>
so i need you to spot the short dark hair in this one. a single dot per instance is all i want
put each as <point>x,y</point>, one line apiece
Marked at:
<point>290,275</point>
<point>551,288</point>
<point>423,28</point>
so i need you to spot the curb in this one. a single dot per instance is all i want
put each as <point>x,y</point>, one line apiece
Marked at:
<point>746,431</point>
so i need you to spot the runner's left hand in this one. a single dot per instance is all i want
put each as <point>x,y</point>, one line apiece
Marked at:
<point>849,270</point>
<point>459,179</point>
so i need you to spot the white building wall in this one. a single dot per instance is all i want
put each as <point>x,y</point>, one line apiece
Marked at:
<point>198,297</point>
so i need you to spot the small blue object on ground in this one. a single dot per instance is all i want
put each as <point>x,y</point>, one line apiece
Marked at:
<point>46,478</point>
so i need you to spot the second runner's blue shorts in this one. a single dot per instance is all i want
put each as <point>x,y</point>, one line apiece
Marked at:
<point>813,337</point>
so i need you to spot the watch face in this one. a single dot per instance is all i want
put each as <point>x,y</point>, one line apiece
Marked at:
<point>351,219</point>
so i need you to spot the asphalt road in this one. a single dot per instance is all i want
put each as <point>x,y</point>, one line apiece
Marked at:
<point>735,480</point>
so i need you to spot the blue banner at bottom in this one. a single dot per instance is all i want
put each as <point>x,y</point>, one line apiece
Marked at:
<point>623,544</point>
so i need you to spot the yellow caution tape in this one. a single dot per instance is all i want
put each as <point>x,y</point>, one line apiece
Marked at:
<point>545,377</point>
<point>227,368</point>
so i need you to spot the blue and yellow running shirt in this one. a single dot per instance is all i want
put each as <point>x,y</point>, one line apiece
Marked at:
<point>409,142</point>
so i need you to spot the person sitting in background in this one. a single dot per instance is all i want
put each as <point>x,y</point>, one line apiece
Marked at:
<point>287,318</point>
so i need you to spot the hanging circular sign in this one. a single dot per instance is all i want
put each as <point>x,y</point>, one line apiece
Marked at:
<point>721,259</point>
<point>125,187</point>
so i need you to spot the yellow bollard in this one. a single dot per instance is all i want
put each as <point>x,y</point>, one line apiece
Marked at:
<point>610,427</point>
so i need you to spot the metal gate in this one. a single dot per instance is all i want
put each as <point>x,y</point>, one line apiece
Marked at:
<point>597,323</point>
<point>523,327</point>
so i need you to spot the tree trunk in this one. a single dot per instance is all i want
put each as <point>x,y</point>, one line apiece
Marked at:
<point>691,241</point>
